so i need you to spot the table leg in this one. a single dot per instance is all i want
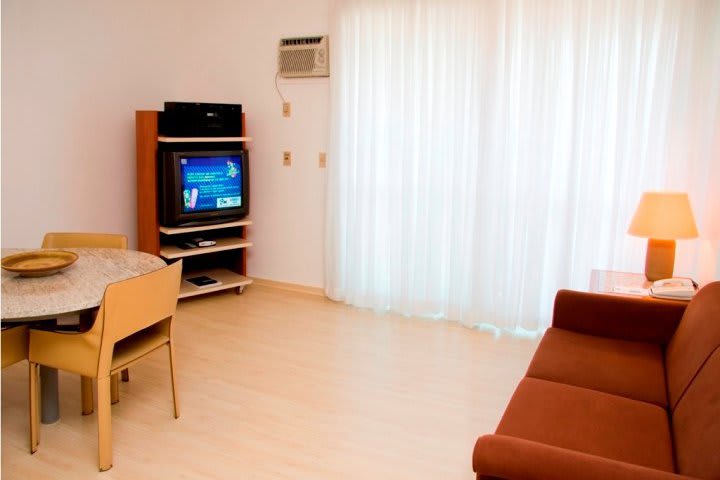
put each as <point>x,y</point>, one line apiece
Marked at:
<point>49,395</point>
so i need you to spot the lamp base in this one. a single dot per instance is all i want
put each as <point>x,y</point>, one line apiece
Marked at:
<point>660,259</point>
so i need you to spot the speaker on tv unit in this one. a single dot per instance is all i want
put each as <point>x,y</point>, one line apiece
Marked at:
<point>188,119</point>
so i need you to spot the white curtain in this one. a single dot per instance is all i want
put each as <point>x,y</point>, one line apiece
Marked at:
<point>486,153</point>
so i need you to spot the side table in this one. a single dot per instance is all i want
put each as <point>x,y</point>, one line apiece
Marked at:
<point>619,283</point>
<point>609,282</point>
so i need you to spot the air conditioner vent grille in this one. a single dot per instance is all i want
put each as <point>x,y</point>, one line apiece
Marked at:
<point>297,61</point>
<point>301,41</point>
<point>304,57</point>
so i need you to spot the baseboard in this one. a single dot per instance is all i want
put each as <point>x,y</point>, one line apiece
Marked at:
<point>293,287</point>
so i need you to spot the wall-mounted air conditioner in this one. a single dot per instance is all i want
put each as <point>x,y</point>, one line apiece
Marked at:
<point>304,57</point>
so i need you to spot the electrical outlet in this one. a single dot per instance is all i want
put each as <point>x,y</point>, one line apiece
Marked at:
<point>287,159</point>
<point>286,109</point>
<point>322,160</point>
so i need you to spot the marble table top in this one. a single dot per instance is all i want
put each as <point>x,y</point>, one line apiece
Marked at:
<point>74,289</point>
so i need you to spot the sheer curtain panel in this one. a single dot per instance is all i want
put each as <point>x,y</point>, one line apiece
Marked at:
<point>486,153</point>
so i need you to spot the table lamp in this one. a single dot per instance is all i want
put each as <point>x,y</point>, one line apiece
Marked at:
<point>662,217</point>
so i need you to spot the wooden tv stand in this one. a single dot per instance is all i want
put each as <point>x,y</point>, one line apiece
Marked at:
<point>226,260</point>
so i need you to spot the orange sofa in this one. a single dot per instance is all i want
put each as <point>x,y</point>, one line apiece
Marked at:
<point>621,388</point>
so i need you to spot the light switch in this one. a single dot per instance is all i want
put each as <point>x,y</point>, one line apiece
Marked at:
<point>287,159</point>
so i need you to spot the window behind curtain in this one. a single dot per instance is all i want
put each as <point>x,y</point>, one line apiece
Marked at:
<point>485,154</point>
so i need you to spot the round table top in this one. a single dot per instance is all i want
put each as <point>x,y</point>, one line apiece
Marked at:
<point>76,288</point>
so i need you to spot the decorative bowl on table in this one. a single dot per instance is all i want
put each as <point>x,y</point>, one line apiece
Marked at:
<point>38,263</point>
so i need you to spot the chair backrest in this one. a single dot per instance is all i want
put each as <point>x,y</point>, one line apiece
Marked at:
<point>132,305</point>
<point>84,240</point>
<point>692,363</point>
<point>14,345</point>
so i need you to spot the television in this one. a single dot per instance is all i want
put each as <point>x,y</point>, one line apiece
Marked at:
<point>203,188</point>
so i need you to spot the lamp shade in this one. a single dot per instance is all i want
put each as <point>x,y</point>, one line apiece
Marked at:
<point>663,215</point>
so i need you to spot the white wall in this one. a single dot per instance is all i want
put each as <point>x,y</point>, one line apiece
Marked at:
<point>73,74</point>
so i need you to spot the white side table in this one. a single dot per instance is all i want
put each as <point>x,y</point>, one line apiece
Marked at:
<point>619,283</point>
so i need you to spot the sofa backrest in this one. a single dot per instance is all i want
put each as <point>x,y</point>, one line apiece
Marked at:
<point>692,364</point>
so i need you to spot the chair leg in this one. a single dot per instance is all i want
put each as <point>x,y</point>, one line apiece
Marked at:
<point>104,424</point>
<point>114,389</point>
<point>86,395</point>
<point>125,375</point>
<point>34,410</point>
<point>176,406</point>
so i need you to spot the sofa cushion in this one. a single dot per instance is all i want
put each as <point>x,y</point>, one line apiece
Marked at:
<point>630,369</point>
<point>615,316</point>
<point>693,370</point>
<point>589,421</point>
<point>696,423</point>
<point>696,338</point>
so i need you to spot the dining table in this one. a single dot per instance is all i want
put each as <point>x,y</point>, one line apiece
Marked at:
<point>76,289</point>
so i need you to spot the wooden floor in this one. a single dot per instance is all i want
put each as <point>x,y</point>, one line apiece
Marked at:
<point>281,385</point>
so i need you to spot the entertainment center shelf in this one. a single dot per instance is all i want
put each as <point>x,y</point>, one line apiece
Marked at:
<point>170,250</point>
<point>182,230</point>
<point>225,261</point>
<point>203,139</point>
<point>227,279</point>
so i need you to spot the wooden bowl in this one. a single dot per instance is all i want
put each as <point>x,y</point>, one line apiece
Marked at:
<point>38,263</point>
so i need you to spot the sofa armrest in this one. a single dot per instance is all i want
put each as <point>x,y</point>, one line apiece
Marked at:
<point>625,318</point>
<point>504,457</point>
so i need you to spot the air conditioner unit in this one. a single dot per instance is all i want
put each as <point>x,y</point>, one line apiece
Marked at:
<point>304,57</point>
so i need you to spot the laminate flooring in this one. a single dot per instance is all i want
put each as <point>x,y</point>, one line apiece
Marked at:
<point>282,385</point>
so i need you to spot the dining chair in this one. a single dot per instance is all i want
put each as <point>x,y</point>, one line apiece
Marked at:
<point>135,318</point>
<point>84,240</point>
<point>14,349</point>
<point>14,344</point>
<point>89,240</point>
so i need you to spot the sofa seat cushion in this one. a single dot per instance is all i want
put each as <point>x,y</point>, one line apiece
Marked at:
<point>589,421</point>
<point>629,369</point>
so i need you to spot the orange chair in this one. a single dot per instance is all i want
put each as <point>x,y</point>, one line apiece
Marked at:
<point>14,345</point>
<point>84,240</point>
<point>135,318</point>
<point>14,350</point>
<point>89,240</point>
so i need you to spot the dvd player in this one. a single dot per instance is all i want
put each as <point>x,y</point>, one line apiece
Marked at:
<point>188,119</point>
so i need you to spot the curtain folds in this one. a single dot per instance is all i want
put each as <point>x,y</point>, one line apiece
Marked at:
<point>485,154</point>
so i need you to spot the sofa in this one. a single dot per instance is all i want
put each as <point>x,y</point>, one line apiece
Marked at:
<point>619,388</point>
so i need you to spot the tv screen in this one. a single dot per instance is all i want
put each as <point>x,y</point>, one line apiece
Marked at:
<point>211,183</point>
<point>205,187</point>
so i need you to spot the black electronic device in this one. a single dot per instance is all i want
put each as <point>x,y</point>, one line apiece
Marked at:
<point>188,119</point>
<point>195,243</point>
<point>202,188</point>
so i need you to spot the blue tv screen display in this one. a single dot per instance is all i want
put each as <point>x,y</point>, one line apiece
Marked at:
<point>211,183</point>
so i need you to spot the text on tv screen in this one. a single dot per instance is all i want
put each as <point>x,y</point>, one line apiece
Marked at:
<point>211,183</point>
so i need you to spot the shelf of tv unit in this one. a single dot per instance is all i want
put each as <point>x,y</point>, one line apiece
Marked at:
<point>227,279</point>
<point>203,139</point>
<point>204,228</point>
<point>225,276</point>
<point>171,252</point>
